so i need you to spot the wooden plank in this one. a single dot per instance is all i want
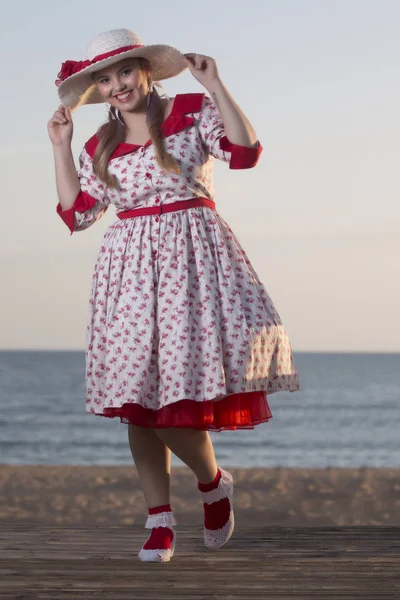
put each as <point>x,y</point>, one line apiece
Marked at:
<point>50,562</point>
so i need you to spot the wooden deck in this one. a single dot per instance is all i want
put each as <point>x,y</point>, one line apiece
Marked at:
<point>51,562</point>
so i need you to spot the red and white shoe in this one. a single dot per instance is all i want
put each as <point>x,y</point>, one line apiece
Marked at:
<point>160,544</point>
<point>219,519</point>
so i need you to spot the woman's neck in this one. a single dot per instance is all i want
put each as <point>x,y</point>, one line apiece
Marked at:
<point>137,131</point>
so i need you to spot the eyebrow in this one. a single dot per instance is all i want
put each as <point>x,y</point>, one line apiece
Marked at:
<point>128,64</point>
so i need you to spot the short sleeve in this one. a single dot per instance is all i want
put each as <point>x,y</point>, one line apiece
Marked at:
<point>91,202</point>
<point>212,133</point>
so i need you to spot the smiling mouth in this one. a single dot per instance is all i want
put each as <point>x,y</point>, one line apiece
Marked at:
<point>124,97</point>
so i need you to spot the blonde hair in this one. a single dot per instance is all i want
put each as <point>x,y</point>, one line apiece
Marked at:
<point>112,133</point>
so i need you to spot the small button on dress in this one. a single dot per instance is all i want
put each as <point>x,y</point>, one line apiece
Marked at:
<point>181,331</point>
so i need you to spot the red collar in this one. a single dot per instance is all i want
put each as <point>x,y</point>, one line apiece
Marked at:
<point>175,122</point>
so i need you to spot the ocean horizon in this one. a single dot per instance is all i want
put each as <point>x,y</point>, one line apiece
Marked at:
<point>346,415</point>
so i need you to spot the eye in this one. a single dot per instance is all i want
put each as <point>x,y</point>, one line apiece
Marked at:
<point>105,80</point>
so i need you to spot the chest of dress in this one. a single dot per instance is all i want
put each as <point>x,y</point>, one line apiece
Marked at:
<point>140,176</point>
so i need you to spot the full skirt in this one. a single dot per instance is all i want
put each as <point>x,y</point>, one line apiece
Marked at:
<point>181,331</point>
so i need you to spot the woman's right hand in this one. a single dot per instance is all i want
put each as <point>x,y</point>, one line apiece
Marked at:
<point>60,127</point>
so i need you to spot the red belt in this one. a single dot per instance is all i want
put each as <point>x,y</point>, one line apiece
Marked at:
<point>164,208</point>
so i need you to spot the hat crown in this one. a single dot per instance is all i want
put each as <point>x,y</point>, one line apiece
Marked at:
<point>112,40</point>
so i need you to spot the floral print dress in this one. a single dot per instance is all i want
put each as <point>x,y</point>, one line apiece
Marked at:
<point>181,331</point>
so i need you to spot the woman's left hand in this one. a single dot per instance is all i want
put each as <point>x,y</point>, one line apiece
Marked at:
<point>203,68</point>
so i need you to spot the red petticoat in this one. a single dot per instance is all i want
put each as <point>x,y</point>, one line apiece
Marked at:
<point>236,411</point>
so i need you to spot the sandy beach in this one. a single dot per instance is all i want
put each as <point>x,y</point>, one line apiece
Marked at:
<point>111,495</point>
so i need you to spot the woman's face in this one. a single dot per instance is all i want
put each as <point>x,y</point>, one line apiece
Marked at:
<point>123,84</point>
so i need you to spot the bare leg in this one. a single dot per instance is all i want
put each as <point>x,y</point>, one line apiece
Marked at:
<point>153,463</point>
<point>194,447</point>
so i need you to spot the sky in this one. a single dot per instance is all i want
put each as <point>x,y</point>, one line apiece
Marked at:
<point>318,217</point>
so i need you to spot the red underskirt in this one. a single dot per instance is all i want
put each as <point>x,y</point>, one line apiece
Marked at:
<point>236,411</point>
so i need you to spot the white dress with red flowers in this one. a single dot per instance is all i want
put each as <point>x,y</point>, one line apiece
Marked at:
<point>181,331</point>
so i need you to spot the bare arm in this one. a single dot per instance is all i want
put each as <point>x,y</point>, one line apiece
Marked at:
<point>237,127</point>
<point>60,129</point>
<point>83,198</point>
<point>67,180</point>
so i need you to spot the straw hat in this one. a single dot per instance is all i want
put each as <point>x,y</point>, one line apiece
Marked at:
<point>75,85</point>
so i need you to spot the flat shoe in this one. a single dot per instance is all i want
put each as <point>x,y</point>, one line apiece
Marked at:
<point>216,538</point>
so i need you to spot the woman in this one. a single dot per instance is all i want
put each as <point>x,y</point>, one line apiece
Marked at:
<point>182,337</point>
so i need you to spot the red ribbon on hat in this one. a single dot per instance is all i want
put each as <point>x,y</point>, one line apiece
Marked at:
<point>70,67</point>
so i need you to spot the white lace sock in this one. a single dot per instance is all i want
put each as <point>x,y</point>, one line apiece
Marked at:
<point>160,544</point>
<point>219,520</point>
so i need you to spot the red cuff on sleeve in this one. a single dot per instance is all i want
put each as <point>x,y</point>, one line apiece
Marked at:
<point>68,216</point>
<point>242,157</point>
<point>83,202</point>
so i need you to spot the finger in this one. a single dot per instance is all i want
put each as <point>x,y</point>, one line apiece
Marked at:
<point>59,121</point>
<point>206,60</point>
<point>185,61</point>
<point>199,62</point>
<point>68,114</point>
<point>194,58</point>
<point>59,115</point>
<point>190,57</point>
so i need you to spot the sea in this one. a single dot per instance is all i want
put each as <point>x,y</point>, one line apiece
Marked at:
<point>347,414</point>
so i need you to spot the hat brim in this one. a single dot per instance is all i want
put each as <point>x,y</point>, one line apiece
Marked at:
<point>79,89</point>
